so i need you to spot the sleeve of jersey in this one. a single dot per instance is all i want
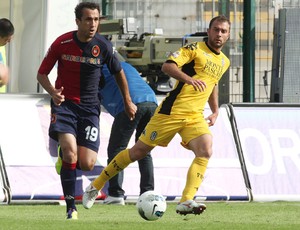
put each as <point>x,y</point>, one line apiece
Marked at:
<point>49,60</point>
<point>112,61</point>
<point>182,56</point>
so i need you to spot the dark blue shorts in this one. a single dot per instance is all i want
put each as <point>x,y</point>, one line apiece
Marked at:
<point>80,120</point>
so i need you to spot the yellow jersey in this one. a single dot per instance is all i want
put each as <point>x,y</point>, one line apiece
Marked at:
<point>200,62</point>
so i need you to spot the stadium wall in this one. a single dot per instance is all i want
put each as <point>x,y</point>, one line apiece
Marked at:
<point>256,155</point>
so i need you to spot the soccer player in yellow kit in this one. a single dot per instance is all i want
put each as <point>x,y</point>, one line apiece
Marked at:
<point>197,67</point>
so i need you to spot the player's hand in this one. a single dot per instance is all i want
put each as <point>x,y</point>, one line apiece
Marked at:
<point>197,84</point>
<point>57,96</point>
<point>130,110</point>
<point>211,119</point>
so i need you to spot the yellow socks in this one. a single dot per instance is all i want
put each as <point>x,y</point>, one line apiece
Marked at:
<point>194,179</point>
<point>121,161</point>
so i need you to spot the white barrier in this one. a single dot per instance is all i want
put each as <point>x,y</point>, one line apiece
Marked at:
<point>269,146</point>
<point>30,155</point>
<point>270,139</point>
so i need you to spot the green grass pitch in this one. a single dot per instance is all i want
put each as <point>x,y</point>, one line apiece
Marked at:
<point>219,215</point>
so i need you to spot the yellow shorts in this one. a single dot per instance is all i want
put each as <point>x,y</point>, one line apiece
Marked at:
<point>162,128</point>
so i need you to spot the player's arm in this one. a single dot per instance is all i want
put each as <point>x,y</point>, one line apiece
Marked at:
<point>130,107</point>
<point>56,94</point>
<point>45,68</point>
<point>171,69</point>
<point>213,102</point>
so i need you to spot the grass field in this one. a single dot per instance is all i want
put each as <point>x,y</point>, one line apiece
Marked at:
<point>219,215</point>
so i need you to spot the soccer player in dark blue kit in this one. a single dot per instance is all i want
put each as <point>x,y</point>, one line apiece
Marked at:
<point>122,128</point>
<point>75,106</point>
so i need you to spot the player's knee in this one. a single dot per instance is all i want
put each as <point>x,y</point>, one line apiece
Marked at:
<point>69,157</point>
<point>206,153</point>
<point>87,165</point>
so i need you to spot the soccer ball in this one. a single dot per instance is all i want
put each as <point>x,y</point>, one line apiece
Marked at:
<point>151,205</point>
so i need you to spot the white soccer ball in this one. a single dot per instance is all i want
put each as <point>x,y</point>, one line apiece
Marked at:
<point>151,205</point>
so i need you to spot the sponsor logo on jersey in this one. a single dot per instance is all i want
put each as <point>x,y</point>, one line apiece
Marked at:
<point>213,69</point>
<point>74,58</point>
<point>95,51</point>
<point>153,135</point>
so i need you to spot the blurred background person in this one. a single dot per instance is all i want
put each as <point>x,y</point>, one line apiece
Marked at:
<point>123,128</point>
<point>6,34</point>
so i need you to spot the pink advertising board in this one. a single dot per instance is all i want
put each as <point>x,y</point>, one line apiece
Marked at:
<point>29,157</point>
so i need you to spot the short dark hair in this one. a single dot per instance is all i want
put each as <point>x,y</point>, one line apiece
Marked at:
<point>82,5</point>
<point>220,18</point>
<point>6,28</point>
